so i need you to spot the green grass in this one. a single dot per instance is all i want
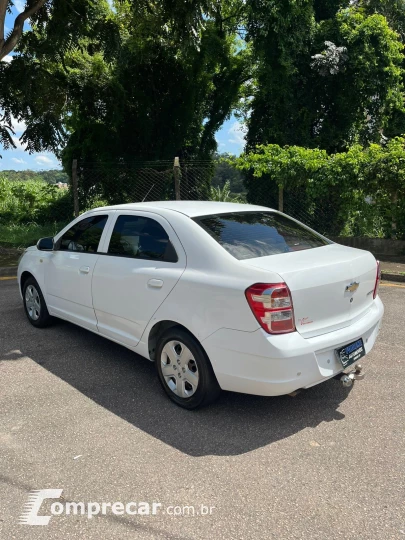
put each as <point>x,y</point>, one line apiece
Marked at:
<point>24,235</point>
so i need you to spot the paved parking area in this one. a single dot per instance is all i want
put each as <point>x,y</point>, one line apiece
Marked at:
<point>84,415</point>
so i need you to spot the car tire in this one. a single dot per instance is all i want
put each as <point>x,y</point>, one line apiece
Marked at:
<point>35,305</point>
<point>184,370</point>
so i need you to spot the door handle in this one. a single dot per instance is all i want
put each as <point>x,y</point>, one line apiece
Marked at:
<point>84,269</point>
<point>155,283</point>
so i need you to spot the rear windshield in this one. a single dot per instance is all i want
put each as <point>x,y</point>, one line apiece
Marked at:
<point>247,235</point>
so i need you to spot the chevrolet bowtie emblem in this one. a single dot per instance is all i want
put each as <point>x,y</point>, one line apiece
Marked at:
<point>352,287</point>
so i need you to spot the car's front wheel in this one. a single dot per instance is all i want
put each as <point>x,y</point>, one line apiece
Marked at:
<point>184,370</point>
<point>34,304</point>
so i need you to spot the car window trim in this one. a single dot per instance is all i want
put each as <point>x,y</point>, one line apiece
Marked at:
<point>76,222</point>
<point>198,221</point>
<point>135,213</point>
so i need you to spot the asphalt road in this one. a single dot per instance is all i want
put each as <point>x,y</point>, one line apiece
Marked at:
<point>84,415</point>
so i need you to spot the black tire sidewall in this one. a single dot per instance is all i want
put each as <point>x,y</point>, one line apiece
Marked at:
<point>208,388</point>
<point>44,317</point>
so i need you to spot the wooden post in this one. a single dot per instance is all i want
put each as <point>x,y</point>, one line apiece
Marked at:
<point>280,198</point>
<point>75,189</point>
<point>394,204</point>
<point>176,173</point>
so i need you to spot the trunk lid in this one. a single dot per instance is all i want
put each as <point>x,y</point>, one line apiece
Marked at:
<point>317,279</point>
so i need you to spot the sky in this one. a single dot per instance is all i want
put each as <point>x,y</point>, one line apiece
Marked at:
<point>230,137</point>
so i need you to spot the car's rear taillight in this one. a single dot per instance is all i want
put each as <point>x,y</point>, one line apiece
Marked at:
<point>272,306</point>
<point>377,280</point>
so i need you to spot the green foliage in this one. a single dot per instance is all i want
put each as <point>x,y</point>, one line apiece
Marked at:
<point>224,194</point>
<point>27,234</point>
<point>225,171</point>
<point>29,201</point>
<point>289,166</point>
<point>349,91</point>
<point>147,81</point>
<point>51,176</point>
<point>319,84</point>
<point>357,192</point>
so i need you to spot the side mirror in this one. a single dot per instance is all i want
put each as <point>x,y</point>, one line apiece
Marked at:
<point>45,244</point>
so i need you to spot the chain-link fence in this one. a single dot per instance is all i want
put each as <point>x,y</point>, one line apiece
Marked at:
<point>98,184</point>
<point>114,183</point>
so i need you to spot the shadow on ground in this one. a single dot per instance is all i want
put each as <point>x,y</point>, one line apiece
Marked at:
<point>126,385</point>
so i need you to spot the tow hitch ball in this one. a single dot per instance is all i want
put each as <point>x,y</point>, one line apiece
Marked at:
<point>347,378</point>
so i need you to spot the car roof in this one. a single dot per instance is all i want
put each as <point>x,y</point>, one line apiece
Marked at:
<point>188,208</point>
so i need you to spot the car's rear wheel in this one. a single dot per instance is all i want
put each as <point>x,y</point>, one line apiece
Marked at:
<point>184,370</point>
<point>34,304</point>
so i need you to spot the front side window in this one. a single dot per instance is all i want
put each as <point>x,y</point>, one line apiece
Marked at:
<point>84,236</point>
<point>247,235</point>
<point>141,238</point>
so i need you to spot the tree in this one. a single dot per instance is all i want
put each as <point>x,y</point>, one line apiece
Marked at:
<point>145,81</point>
<point>9,42</point>
<point>28,90</point>
<point>327,75</point>
<point>225,171</point>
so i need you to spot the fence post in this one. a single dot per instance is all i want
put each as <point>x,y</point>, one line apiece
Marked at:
<point>75,189</point>
<point>280,198</point>
<point>176,173</point>
<point>394,203</point>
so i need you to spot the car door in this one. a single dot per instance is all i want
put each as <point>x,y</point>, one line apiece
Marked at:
<point>142,263</point>
<point>69,270</point>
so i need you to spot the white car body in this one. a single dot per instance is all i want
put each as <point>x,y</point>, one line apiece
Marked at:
<point>131,300</point>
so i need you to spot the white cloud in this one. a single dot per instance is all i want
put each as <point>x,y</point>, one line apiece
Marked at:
<point>7,59</point>
<point>18,126</point>
<point>18,144</point>
<point>238,135</point>
<point>44,160</point>
<point>16,160</point>
<point>19,5</point>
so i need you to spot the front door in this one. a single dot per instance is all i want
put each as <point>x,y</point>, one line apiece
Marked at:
<point>69,271</point>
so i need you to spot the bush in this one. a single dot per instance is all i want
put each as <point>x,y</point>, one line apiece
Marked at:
<point>360,192</point>
<point>27,234</point>
<point>33,201</point>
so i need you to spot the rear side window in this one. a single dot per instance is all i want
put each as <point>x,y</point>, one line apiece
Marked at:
<point>141,238</point>
<point>84,236</point>
<point>248,235</point>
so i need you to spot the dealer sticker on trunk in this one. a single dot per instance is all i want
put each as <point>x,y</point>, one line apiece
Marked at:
<point>351,353</point>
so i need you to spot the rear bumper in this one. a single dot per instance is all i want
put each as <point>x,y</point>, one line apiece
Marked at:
<point>270,365</point>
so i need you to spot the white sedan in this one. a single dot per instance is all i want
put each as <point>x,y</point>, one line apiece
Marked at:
<point>218,295</point>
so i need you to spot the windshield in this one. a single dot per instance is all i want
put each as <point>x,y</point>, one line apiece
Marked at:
<point>248,235</point>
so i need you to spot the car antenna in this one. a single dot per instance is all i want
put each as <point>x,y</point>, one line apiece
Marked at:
<point>143,200</point>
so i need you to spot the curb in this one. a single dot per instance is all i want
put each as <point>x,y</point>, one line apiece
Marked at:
<point>11,271</point>
<point>399,278</point>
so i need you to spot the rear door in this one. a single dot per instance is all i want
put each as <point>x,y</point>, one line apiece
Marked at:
<point>142,261</point>
<point>69,270</point>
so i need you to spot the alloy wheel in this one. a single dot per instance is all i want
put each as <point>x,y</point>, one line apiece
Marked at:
<point>33,302</point>
<point>179,369</point>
